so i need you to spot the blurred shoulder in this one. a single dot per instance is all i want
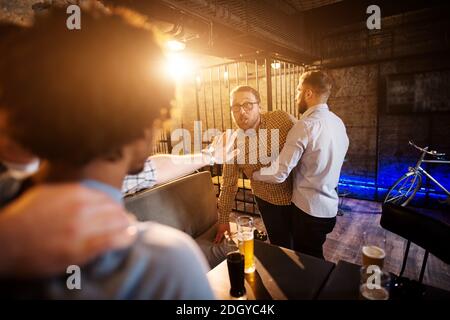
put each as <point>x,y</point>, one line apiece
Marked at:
<point>178,264</point>
<point>167,239</point>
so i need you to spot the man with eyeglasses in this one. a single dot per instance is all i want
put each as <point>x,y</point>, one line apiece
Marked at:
<point>273,199</point>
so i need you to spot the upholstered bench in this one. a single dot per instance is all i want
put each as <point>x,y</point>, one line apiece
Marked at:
<point>188,204</point>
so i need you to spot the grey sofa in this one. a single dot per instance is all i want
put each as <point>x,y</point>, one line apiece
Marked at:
<point>188,204</point>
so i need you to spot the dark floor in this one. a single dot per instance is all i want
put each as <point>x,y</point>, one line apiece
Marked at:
<point>344,243</point>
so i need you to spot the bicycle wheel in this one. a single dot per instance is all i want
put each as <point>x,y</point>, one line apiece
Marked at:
<point>404,189</point>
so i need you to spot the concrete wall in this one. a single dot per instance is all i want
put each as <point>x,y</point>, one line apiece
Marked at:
<point>355,99</point>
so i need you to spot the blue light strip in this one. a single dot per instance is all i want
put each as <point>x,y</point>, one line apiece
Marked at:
<point>360,187</point>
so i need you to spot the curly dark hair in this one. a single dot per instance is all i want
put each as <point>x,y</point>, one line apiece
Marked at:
<point>77,95</point>
<point>8,33</point>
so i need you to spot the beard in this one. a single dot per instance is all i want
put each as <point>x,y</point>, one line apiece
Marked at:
<point>301,104</point>
<point>245,122</point>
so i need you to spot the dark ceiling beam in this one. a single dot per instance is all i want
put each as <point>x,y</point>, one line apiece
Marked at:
<point>158,10</point>
<point>226,40</point>
<point>244,45</point>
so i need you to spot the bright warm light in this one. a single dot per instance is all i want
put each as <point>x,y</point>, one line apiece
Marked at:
<point>175,45</point>
<point>225,75</point>
<point>276,65</point>
<point>179,66</point>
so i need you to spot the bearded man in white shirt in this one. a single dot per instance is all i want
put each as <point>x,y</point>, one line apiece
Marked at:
<point>314,151</point>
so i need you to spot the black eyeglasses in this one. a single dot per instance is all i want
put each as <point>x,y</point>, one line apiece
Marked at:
<point>248,106</point>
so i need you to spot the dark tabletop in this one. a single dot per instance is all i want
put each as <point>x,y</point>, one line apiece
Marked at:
<point>285,274</point>
<point>280,274</point>
<point>343,284</point>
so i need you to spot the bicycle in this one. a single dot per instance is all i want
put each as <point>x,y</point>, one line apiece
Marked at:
<point>406,187</point>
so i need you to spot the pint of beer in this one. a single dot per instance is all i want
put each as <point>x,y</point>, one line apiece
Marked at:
<point>235,263</point>
<point>246,242</point>
<point>373,248</point>
<point>375,283</point>
<point>373,255</point>
<point>377,293</point>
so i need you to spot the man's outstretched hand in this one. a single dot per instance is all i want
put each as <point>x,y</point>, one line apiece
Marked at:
<point>222,147</point>
<point>221,228</point>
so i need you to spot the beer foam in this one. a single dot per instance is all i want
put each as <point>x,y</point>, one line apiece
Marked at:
<point>244,236</point>
<point>374,252</point>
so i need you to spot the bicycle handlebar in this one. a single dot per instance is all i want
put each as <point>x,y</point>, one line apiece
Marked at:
<point>432,152</point>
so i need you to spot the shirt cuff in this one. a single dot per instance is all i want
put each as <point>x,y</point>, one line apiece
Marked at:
<point>257,175</point>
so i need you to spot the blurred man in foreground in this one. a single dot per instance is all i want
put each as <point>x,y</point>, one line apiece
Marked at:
<point>89,112</point>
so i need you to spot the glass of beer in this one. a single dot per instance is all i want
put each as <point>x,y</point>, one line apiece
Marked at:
<point>375,283</point>
<point>235,263</point>
<point>245,236</point>
<point>374,247</point>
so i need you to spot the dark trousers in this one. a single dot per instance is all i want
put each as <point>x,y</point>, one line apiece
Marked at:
<point>309,233</point>
<point>277,220</point>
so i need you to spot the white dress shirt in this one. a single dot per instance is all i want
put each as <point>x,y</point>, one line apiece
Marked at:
<point>315,149</point>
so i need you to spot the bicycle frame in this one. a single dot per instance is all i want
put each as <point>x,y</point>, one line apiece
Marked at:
<point>423,171</point>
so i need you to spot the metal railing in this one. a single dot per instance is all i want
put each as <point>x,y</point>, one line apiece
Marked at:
<point>276,81</point>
